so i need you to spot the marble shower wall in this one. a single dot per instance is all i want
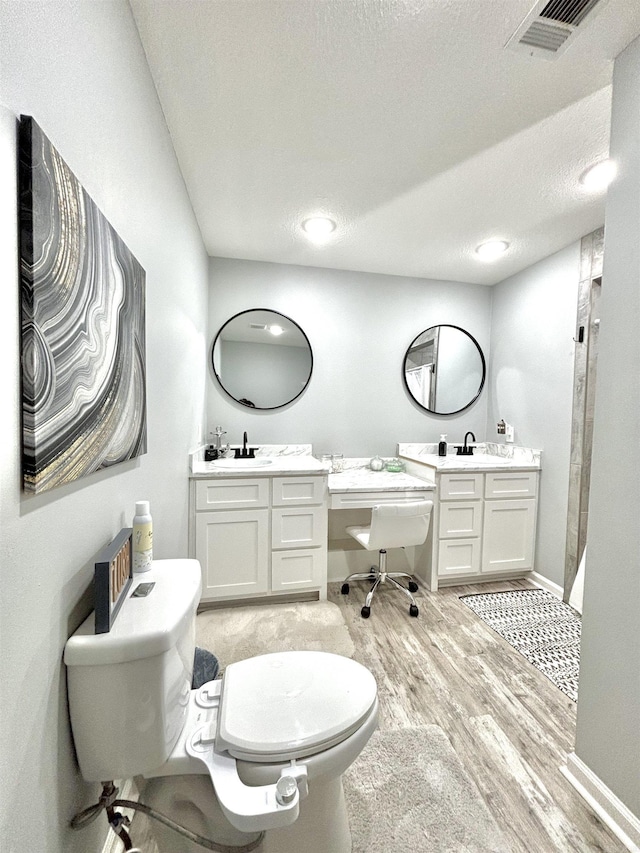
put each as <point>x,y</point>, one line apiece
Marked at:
<point>585,363</point>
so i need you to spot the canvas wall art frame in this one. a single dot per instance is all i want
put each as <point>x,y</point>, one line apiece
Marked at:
<point>82,326</point>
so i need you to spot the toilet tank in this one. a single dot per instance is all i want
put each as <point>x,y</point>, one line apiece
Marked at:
<point>129,688</point>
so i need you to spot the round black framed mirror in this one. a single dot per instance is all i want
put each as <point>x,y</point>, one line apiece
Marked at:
<point>262,359</point>
<point>444,369</point>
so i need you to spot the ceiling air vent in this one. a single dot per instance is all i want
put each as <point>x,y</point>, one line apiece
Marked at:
<point>549,27</point>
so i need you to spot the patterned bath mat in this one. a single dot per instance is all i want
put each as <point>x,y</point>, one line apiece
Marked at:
<point>545,630</point>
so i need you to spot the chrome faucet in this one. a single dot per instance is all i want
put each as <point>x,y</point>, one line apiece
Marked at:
<point>466,450</point>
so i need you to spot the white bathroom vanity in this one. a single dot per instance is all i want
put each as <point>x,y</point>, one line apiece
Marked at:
<point>275,525</point>
<point>260,529</point>
<point>485,511</point>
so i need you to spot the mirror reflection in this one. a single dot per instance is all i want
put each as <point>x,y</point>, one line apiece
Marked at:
<point>262,359</point>
<point>444,369</point>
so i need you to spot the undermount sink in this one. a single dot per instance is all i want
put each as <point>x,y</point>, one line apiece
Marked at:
<point>259,462</point>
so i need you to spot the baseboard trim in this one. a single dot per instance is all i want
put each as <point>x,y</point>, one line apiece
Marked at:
<point>128,791</point>
<point>611,811</point>
<point>545,583</point>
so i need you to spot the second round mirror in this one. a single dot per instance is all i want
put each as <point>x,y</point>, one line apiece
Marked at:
<point>444,369</point>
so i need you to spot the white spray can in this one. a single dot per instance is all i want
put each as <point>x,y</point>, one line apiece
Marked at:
<point>142,538</point>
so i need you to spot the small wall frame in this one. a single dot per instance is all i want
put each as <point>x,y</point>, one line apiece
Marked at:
<point>113,576</point>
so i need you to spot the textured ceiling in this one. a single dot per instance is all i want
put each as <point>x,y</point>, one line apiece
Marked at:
<point>406,121</point>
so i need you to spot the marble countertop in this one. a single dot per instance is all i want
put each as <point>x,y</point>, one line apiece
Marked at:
<point>366,480</point>
<point>283,459</point>
<point>358,477</point>
<point>486,457</point>
<point>278,465</point>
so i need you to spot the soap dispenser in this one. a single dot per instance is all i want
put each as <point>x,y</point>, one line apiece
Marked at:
<point>442,447</point>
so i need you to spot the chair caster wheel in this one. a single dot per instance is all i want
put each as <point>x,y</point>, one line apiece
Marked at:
<point>413,610</point>
<point>365,612</point>
<point>345,589</point>
<point>413,586</point>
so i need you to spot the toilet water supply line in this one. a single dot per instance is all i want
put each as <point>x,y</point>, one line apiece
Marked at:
<point>117,821</point>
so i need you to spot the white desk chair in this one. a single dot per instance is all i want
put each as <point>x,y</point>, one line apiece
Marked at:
<point>392,526</point>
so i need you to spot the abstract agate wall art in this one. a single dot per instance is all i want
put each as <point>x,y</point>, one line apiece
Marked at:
<point>83,326</point>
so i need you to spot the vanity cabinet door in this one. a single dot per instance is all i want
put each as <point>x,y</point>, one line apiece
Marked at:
<point>509,535</point>
<point>233,550</point>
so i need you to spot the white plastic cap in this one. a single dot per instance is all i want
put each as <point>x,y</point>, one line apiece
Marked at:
<point>142,508</point>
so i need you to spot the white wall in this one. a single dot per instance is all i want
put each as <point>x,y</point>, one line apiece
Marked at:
<point>531,384</point>
<point>359,326</point>
<point>608,727</point>
<point>79,69</point>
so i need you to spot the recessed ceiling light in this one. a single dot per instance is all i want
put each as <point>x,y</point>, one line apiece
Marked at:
<point>276,330</point>
<point>318,228</point>
<point>599,176</point>
<point>492,249</point>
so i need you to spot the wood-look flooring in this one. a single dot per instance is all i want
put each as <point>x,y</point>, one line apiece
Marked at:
<point>509,725</point>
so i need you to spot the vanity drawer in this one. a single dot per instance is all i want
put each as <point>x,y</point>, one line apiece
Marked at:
<point>460,519</point>
<point>303,568</point>
<point>459,557</point>
<point>298,491</point>
<point>232,494</point>
<point>366,500</point>
<point>461,487</point>
<point>298,527</point>
<point>522,484</point>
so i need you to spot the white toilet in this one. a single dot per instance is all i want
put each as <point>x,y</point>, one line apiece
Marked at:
<point>262,749</point>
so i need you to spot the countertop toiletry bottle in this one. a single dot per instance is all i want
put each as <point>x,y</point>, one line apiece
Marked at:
<point>142,538</point>
<point>442,447</point>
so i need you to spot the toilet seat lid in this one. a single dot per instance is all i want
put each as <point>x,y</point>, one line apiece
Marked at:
<point>291,704</point>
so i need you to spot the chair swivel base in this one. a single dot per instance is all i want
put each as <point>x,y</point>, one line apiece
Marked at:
<point>377,577</point>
